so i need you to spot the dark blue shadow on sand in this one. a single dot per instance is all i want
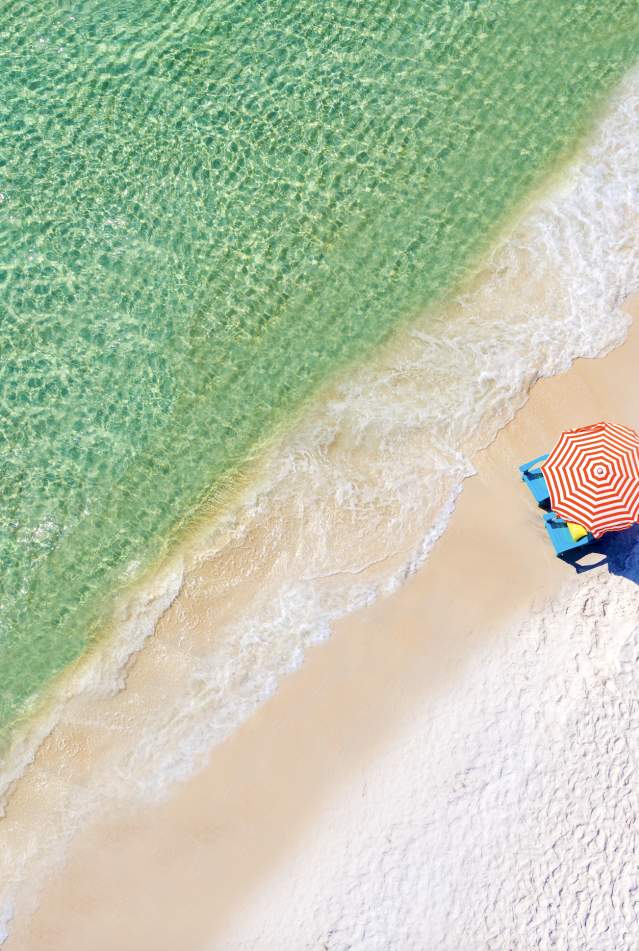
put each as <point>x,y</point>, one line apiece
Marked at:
<point>618,551</point>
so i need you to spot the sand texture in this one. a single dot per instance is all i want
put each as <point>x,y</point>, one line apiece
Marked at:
<point>453,769</point>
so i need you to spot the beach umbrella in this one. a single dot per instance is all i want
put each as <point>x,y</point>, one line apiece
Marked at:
<point>592,475</point>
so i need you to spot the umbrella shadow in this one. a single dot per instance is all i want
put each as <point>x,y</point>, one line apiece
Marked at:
<point>618,551</point>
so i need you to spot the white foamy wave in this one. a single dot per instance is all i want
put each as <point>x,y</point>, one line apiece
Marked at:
<point>347,505</point>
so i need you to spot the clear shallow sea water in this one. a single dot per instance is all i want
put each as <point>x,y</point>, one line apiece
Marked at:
<point>367,477</point>
<point>208,210</point>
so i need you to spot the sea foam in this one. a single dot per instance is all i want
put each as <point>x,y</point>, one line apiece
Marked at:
<point>344,508</point>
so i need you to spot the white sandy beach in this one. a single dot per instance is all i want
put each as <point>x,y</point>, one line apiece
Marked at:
<point>218,773</point>
<point>290,291</point>
<point>452,769</point>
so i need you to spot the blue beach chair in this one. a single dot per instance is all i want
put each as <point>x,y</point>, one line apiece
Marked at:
<point>560,536</point>
<point>533,478</point>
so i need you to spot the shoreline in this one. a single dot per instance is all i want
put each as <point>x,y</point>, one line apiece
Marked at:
<point>217,842</point>
<point>356,242</point>
<point>36,716</point>
<point>348,506</point>
<point>537,278</point>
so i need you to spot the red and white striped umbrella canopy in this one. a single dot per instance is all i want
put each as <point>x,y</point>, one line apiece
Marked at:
<point>593,477</point>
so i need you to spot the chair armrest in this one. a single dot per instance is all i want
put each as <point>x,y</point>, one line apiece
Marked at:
<point>534,465</point>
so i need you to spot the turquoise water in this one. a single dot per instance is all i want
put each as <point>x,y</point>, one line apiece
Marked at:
<point>208,209</point>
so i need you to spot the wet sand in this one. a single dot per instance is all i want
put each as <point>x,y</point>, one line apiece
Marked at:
<point>182,873</point>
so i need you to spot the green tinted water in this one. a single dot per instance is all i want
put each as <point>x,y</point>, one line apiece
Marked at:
<point>207,208</point>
